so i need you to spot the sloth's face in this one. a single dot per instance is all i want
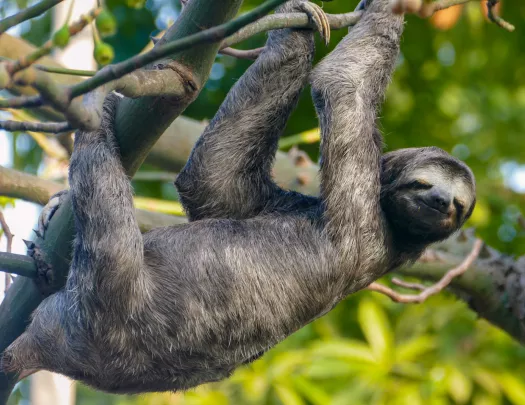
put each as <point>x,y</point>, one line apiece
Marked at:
<point>430,195</point>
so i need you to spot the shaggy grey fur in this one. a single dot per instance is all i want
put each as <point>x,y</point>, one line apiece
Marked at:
<point>181,306</point>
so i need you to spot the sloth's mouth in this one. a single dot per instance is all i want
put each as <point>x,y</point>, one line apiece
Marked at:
<point>447,220</point>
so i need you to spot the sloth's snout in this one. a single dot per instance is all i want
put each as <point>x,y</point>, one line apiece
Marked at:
<point>438,199</point>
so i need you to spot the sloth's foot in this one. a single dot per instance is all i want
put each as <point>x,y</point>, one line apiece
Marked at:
<point>44,278</point>
<point>48,211</point>
<point>319,18</point>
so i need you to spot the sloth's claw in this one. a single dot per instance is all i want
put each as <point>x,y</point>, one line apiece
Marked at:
<point>319,18</point>
<point>48,211</point>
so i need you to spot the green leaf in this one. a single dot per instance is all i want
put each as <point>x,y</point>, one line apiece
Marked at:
<point>458,385</point>
<point>314,393</point>
<point>330,368</point>
<point>7,202</point>
<point>414,348</point>
<point>513,387</point>
<point>287,395</point>
<point>484,399</point>
<point>486,379</point>
<point>349,350</point>
<point>376,328</point>
<point>284,364</point>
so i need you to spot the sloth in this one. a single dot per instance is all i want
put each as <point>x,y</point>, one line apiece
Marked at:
<point>182,306</point>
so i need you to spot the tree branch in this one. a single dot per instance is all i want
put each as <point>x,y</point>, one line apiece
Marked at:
<point>27,187</point>
<point>65,71</point>
<point>7,232</point>
<point>52,127</point>
<point>26,61</point>
<point>14,48</point>
<point>31,188</point>
<point>173,148</point>
<point>496,19</point>
<point>22,102</point>
<point>434,288</point>
<point>17,264</point>
<point>251,54</point>
<point>27,13</point>
<point>289,20</point>
<point>9,245</point>
<point>493,286</point>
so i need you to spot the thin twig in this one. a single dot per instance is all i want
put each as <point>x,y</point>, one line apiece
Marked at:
<point>27,13</point>
<point>521,222</point>
<point>7,232</point>
<point>406,284</point>
<point>433,289</point>
<point>443,4</point>
<point>49,145</point>
<point>53,127</point>
<point>75,28</point>
<point>65,71</point>
<point>9,245</point>
<point>424,9</point>
<point>251,54</point>
<point>496,19</point>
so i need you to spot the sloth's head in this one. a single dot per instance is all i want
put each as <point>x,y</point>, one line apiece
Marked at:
<point>426,194</point>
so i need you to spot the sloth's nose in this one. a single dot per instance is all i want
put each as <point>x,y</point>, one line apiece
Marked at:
<point>438,199</point>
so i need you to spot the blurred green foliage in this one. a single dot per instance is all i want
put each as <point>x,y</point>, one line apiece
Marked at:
<point>463,90</point>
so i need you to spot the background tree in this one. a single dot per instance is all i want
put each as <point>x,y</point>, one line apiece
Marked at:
<point>461,89</point>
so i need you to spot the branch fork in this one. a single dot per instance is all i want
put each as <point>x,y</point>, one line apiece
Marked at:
<point>426,292</point>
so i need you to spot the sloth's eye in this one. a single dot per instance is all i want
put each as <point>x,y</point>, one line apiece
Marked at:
<point>459,207</point>
<point>419,185</point>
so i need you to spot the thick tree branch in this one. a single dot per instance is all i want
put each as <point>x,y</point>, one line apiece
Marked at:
<point>22,102</point>
<point>31,188</point>
<point>27,187</point>
<point>173,148</point>
<point>17,264</point>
